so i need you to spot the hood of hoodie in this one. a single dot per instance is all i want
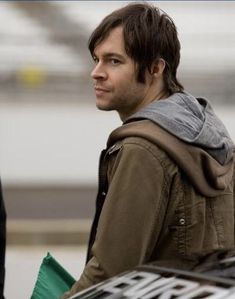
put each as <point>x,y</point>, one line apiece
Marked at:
<point>193,136</point>
<point>191,120</point>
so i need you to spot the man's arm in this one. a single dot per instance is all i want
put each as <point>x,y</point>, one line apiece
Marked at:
<point>132,215</point>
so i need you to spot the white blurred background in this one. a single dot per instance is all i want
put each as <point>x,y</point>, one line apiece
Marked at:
<point>50,130</point>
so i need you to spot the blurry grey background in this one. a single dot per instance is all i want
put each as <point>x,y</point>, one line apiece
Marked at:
<point>50,130</point>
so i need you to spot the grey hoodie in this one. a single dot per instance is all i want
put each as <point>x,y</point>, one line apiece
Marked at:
<point>191,120</point>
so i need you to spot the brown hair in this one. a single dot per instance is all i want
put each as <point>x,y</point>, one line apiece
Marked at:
<point>149,34</point>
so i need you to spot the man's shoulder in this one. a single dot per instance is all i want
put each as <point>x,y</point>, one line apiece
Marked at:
<point>141,148</point>
<point>140,136</point>
<point>140,141</point>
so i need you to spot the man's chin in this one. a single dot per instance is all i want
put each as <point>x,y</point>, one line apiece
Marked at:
<point>104,107</point>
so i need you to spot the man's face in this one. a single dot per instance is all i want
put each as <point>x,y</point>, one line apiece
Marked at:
<point>114,77</point>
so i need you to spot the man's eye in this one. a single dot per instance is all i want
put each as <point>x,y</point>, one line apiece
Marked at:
<point>95,59</point>
<point>115,61</point>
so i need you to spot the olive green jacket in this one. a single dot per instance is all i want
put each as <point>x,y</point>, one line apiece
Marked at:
<point>160,199</point>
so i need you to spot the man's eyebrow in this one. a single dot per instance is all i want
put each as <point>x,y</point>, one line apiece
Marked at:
<point>110,54</point>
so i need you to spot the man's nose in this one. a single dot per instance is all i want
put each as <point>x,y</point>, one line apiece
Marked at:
<point>98,72</point>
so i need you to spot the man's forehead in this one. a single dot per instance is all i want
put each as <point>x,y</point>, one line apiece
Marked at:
<point>112,43</point>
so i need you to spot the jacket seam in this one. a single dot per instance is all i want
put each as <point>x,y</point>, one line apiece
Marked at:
<point>216,225</point>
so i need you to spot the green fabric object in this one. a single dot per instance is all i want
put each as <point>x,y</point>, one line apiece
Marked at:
<point>52,281</point>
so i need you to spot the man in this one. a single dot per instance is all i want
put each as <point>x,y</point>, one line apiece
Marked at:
<point>2,243</point>
<point>166,182</point>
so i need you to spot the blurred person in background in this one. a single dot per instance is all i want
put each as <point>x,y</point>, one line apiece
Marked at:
<point>2,243</point>
<point>166,178</point>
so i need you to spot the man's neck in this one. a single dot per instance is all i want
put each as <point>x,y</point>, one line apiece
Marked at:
<point>160,95</point>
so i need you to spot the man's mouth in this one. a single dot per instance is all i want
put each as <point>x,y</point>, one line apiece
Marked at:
<point>100,90</point>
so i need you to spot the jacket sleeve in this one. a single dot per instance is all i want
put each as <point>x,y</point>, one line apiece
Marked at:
<point>132,215</point>
<point>92,274</point>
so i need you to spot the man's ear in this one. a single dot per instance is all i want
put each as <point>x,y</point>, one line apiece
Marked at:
<point>158,67</point>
